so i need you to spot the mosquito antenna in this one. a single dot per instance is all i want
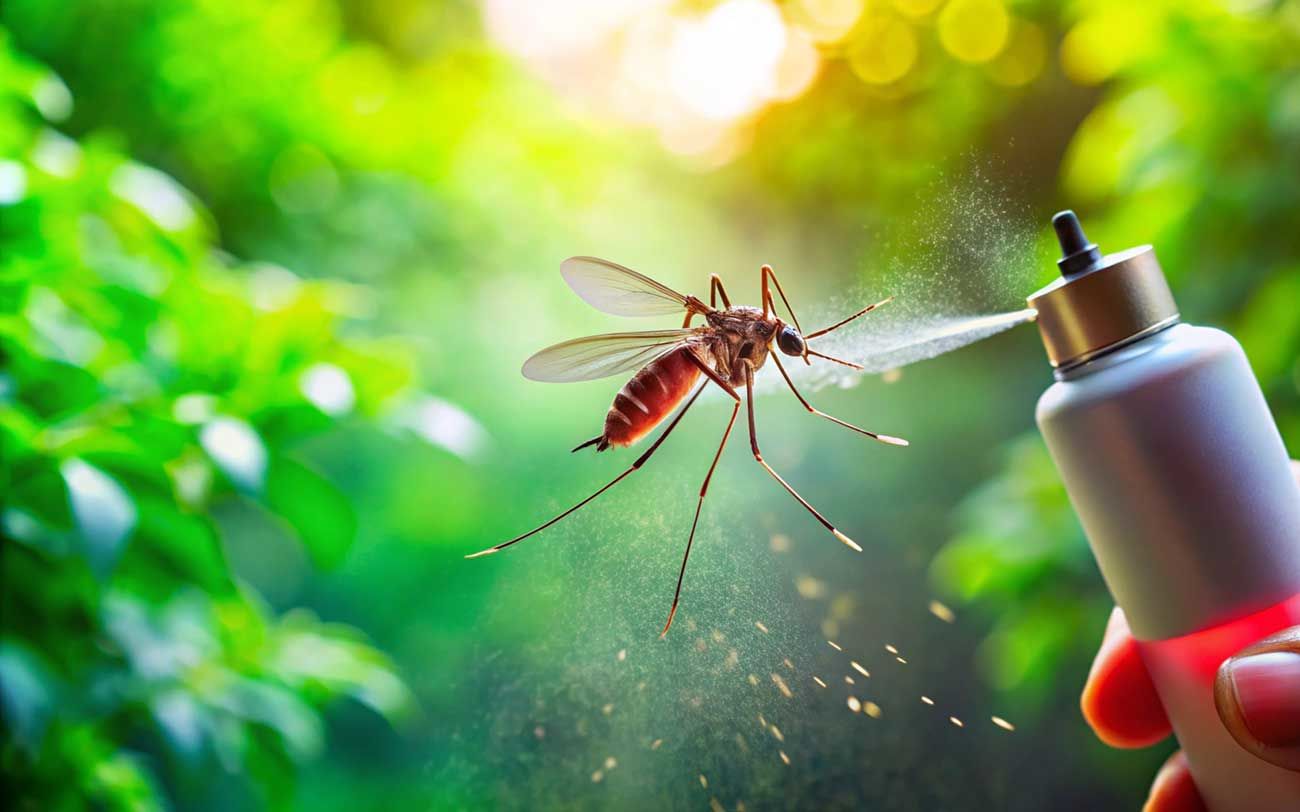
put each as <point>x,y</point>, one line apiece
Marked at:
<point>836,360</point>
<point>639,462</point>
<point>840,324</point>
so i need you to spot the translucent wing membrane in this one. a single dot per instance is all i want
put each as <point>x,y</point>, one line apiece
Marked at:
<point>611,288</point>
<point>586,359</point>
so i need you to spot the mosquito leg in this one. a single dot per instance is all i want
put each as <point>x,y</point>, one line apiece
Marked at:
<point>769,306</point>
<point>716,291</point>
<point>712,374</point>
<point>753,444</point>
<point>884,438</point>
<point>770,275</point>
<point>768,301</point>
<point>704,489</point>
<point>641,460</point>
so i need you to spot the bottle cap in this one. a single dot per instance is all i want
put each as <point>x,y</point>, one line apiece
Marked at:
<point>1100,303</point>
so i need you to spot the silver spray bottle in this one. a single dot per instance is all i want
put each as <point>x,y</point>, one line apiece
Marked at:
<point>1183,486</point>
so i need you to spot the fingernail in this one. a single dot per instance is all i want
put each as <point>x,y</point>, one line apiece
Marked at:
<point>1267,689</point>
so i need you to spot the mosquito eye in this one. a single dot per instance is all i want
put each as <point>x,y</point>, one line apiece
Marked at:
<point>789,340</point>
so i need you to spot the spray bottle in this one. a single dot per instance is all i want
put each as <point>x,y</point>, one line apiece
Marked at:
<point>1184,489</point>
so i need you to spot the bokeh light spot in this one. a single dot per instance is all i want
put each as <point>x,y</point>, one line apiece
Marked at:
<point>303,179</point>
<point>974,30</point>
<point>1024,57</point>
<point>359,78</point>
<point>57,154</point>
<point>1100,46</point>
<point>52,98</point>
<point>155,194</point>
<point>917,8</point>
<point>445,425</point>
<point>797,69</point>
<point>13,182</point>
<point>826,20</point>
<point>328,388</point>
<point>884,52</point>
<point>102,509</point>
<point>237,450</point>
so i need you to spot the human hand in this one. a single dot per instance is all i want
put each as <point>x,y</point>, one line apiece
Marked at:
<point>1256,692</point>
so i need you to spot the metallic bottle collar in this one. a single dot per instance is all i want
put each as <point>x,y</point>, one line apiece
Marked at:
<point>1123,298</point>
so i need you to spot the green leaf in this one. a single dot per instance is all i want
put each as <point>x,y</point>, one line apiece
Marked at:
<point>237,450</point>
<point>316,509</point>
<point>172,546</point>
<point>280,425</point>
<point>103,510</point>
<point>39,489</point>
<point>27,690</point>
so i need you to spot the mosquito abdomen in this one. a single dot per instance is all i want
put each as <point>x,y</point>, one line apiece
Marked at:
<point>648,398</point>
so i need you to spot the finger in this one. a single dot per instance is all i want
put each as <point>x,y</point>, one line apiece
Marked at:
<point>1119,700</point>
<point>1173,790</point>
<point>1257,693</point>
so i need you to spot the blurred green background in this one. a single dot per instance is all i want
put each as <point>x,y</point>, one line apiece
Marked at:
<point>268,271</point>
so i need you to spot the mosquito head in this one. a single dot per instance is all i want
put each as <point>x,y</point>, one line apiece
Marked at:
<point>789,340</point>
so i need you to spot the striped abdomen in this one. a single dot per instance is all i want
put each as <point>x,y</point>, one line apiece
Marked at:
<point>648,398</point>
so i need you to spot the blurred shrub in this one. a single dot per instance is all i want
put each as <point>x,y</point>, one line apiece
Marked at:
<point>146,380</point>
<point>1021,554</point>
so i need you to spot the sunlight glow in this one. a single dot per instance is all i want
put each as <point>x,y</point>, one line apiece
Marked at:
<point>700,74</point>
<point>561,27</point>
<point>697,76</point>
<point>797,68</point>
<point>722,65</point>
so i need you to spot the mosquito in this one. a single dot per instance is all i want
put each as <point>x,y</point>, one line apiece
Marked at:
<point>733,343</point>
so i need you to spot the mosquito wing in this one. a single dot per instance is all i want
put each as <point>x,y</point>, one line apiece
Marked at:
<point>586,359</point>
<point>611,288</point>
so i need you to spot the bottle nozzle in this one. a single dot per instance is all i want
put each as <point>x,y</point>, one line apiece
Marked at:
<point>1077,253</point>
<point>1099,303</point>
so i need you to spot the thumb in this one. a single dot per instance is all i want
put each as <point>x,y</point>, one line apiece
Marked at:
<point>1257,693</point>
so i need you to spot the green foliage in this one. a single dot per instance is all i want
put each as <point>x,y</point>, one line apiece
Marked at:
<point>1021,546</point>
<point>193,448</point>
<point>147,381</point>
